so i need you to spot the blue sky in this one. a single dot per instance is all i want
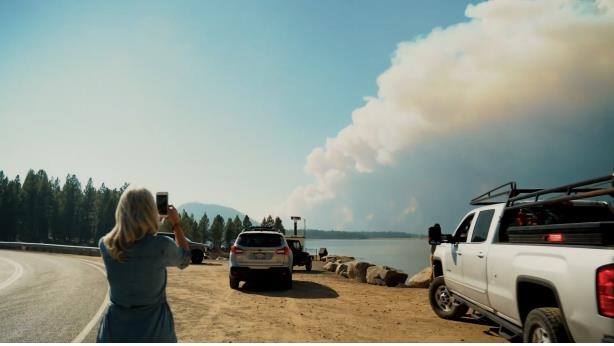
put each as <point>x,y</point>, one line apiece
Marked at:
<point>336,111</point>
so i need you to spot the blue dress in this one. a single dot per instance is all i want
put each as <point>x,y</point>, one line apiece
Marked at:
<point>138,311</point>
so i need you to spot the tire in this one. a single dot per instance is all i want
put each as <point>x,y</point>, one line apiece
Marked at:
<point>287,282</point>
<point>442,301</point>
<point>545,325</point>
<point>197,257</point>
<point>308,265</point>
<point>234,284</point>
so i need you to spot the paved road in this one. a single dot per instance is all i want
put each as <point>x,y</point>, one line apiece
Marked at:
<point>50,297</point>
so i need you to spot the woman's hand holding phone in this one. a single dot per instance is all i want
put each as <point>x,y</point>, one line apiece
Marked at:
<point>173,215</point>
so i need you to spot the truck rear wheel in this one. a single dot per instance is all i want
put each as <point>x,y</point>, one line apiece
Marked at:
<point>308,265</point>
<point>545,325</point>
<point>442,301</point>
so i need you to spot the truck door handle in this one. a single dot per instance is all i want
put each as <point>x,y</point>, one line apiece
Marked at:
<point>459,253</point>
<point>480,255</point>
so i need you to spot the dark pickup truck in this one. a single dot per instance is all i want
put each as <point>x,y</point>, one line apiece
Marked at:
<point>199,251</point>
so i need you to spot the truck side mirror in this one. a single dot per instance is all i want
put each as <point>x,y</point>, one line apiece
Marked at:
<point>435,235</point>
<point>453,238</point>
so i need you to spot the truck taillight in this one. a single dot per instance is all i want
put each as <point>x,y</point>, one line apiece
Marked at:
<point>285,251</point>
<point>605,290</point>
<point>555,238</point>
<point>235,250</point>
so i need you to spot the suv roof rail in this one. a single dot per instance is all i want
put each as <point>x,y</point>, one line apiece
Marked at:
<point>578,190</point>
<point>258,228</point>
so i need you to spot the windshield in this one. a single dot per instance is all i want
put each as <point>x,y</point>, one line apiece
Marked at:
<point>259,240</point>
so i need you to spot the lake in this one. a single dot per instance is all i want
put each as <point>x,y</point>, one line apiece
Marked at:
<point>410,255</point>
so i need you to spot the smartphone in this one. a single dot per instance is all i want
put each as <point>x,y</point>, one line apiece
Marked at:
<point>162,203</point>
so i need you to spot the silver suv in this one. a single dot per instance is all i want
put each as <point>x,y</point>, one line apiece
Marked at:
<point>260,253</point>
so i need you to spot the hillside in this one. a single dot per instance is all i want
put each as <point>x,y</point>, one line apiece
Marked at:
<point>199,209</point>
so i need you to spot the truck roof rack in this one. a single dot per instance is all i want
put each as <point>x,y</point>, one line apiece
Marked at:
<point>533,197</point>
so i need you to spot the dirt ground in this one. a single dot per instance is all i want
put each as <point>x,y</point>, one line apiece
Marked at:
<point>321,307</point>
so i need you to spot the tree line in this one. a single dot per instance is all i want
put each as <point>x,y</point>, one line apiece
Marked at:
<point>42,210</point>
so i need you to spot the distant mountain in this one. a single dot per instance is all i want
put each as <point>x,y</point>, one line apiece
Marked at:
<point>199,209</point>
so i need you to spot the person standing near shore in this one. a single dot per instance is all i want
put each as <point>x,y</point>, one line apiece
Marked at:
<point>436,228</point>
<point>136,259</point>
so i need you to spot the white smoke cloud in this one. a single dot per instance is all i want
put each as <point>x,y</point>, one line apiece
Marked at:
<point>518,59</point>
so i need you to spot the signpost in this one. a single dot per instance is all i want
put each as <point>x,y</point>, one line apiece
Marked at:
<point>295,218</point>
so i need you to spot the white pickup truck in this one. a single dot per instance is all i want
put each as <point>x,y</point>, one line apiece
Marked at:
<point>539,263</point>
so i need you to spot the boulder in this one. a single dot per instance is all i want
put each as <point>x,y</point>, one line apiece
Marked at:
<point>357,270</point>
<point>344,259</point>
<point>422,279</point>
<point>393,277</point>
<point>342,269</point>
<point>373,277</point>
<point>390,276</point>
<point>330,266</point>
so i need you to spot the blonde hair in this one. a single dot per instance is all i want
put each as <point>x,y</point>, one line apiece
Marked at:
<point>136,215</point>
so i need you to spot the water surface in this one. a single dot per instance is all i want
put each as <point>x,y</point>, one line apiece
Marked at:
<point>410,255</point>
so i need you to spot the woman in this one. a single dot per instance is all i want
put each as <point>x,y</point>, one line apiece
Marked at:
<point>136,260</point>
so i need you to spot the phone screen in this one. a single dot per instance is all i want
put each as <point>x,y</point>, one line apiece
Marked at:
<point>162,202</point>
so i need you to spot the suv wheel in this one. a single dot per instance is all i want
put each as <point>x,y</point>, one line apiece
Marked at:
<point>287,282</point>
<point>197,257</point>
<point>442,301</point>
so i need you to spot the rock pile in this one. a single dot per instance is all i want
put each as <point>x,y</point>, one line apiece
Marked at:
<point>375,274</point>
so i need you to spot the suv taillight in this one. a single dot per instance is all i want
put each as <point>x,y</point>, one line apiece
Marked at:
<point>285,251</point>
<point>235,250</point>
<point>605,290</point>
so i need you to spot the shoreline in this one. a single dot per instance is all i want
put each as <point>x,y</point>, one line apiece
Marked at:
<point>410,255</point>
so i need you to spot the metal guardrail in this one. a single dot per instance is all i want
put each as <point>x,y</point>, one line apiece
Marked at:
<point>66,249</point>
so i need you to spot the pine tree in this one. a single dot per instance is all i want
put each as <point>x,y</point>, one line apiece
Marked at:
<point>29,208</point>
<point>45,206</point>
<point>4,190</point>
<point>203,228</point>
<point>88,214</point>
<point>54,215</point>
<point>187,224</point>
<point>106,202</point>
<point>236,227</point>
<point>217,231</point>
<point>14,209</point>
<point>70,208</point>
<point>228,232</point>
<point>278,225</point>
<point>247,222</point>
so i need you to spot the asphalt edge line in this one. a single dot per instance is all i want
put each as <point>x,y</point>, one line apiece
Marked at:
<point>17,273</point>
<point>88,327</point>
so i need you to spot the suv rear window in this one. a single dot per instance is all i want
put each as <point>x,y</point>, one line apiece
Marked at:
<point>259,240</point>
